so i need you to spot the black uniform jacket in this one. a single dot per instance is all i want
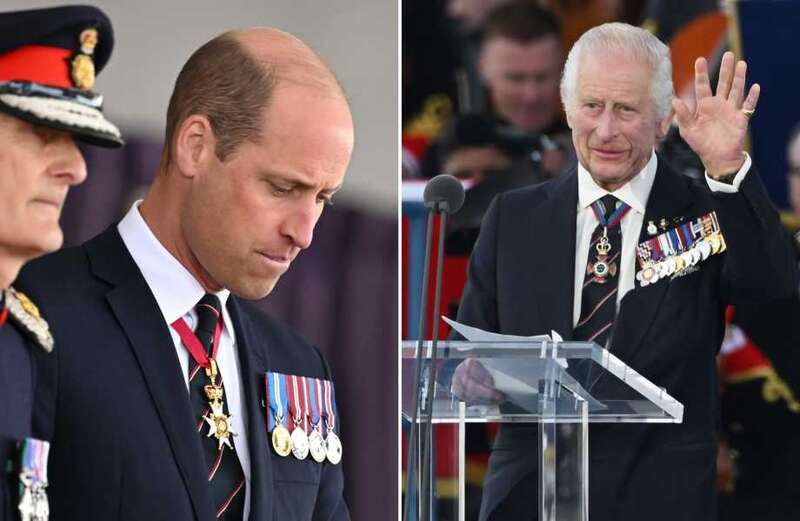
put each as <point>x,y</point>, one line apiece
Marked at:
<point>17,378</point>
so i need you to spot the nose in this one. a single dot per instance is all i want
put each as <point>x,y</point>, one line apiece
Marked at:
<point>531,91</point>
<point>68,165</point>
<point>606,125</point>
<point>299,224</point>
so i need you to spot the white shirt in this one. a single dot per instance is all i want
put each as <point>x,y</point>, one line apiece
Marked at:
<point>634,193</point>
<point>177,292</point>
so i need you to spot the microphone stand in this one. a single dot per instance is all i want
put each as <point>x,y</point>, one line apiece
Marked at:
<point>425,495</point>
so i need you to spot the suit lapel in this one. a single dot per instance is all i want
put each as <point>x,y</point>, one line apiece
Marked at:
<point>669,198</point>
<point>553,262</point>
<point>136,310</point>
<point>254,364</point>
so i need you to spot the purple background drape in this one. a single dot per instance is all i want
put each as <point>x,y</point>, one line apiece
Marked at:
<point>340,294</point>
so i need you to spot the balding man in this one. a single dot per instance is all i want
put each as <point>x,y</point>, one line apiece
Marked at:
<point>168,397</point>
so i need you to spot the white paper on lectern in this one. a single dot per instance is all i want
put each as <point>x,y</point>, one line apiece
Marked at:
<point>474,334</point>
<point>511,376</point>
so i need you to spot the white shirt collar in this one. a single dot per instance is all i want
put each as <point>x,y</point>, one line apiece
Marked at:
<point>175,289</point>
<point>634,193</point>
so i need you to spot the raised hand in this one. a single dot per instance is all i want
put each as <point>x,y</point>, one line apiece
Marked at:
<point>717,128</point>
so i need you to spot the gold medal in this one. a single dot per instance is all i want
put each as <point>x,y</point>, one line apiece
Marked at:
<point>219,423</point>
<point>333,448</point>
<point>299,442</point>
<point>722,245</point>
<point>680,263</point>
<point>316,445</point>
<point>281,439</point>
<point>714,241</point>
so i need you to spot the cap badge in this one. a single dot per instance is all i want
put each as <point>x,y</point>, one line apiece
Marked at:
<point>83,72</point>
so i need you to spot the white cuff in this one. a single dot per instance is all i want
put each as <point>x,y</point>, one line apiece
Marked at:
<point>718,186</point>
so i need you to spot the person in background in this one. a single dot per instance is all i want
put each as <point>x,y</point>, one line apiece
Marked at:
<point>49,59</point>
<point>520,63</point>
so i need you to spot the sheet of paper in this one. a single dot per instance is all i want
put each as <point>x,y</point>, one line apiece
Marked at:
<point>474,334</point>
<point>516,377</point>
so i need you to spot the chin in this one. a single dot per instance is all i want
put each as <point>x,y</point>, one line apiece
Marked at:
<point>45,242</point>
<point>253,290</point>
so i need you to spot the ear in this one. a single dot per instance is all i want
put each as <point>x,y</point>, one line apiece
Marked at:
<point>194,145</point>
<point>662,127</point>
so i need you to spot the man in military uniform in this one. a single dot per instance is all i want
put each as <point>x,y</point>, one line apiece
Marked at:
<point>48,61</point>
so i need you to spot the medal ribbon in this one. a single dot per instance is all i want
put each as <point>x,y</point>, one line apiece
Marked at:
<point>193,344</point>
<point>276,396</point>
<point>270,418</point>
<point>34,459</point>
<point>319,399</point>
<point>677,240</point>
<point>329,405</point>
<point>306,410</point>
<point>315,411</point>
<point>294,403</point>
<point>600,212</point>
<point>4,312</point>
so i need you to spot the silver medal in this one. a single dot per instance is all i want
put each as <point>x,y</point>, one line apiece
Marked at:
<point>671,266</point>
<point>705,249</point>
<point>299,443</point>
<point>316,446</point>
<point>334,448</point>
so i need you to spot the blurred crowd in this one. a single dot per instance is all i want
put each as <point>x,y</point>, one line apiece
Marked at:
<point>481,102</point>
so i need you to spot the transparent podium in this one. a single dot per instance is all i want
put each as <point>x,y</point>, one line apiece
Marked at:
<point>561,386</point>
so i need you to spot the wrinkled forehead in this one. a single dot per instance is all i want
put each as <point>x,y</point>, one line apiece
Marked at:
<point>613,74</point>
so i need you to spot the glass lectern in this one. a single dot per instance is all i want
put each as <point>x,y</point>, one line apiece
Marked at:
<point>561,386</point>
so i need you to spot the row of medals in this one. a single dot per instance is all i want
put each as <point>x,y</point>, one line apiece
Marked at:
<point>297,443</point>
<point>676,264</point>
<point>300,444</point>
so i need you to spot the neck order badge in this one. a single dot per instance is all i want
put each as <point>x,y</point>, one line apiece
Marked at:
<point>609,217</point>
<point>218,422</point>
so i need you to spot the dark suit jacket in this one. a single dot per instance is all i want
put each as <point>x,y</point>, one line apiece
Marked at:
<point>115,405</point>
<point>521,282</point>
<point>17,379</point>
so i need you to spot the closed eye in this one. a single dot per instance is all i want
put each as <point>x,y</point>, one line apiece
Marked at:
<point>279,191</point>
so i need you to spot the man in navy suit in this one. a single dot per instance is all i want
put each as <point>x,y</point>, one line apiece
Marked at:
<point>647,274</point>
<point>48,61</point>
<point>258,139</point>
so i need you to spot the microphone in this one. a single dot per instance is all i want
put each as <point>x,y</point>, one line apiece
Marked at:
<point>443,195</point>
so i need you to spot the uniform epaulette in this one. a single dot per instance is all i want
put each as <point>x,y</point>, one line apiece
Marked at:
<point>25,314</point>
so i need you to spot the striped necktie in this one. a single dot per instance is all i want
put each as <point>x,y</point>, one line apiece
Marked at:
<point>599,295</point>
<point>225,474</point>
